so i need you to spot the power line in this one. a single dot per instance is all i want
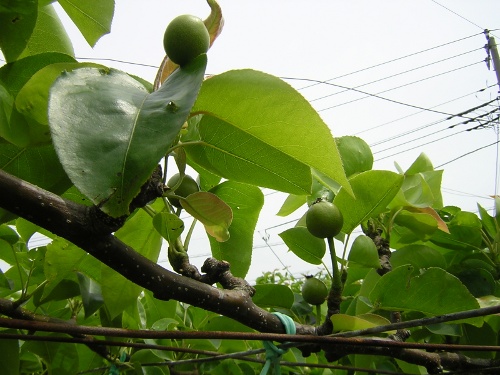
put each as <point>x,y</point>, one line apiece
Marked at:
<point>455,13</point>
<point>468,153</point>
<point>398,74</point>
<point>424,144</point>
<point>390,61</point>
<point>377,95</point>
<point>438,122</point>
<point>423,110</point>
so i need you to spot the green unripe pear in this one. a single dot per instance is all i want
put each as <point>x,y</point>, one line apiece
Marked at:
<point>186,37</point>
<point>324,219</point>
<point>314,291</point>
<point>187,187</point>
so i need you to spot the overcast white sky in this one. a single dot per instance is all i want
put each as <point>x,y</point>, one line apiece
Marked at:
<point>322,40</point>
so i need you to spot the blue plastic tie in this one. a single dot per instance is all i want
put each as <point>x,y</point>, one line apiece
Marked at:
<point>273,353</point>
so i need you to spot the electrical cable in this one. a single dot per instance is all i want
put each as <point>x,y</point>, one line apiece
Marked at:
<point>390,61</point>
<point>423,110</point>
<point>455,13</point>
<point>435,123</point>
<point>468,153</point>
<point>376,95</point>
<point>397,74</point>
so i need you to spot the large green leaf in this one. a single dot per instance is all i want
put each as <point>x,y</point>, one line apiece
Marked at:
<point>16,27</point>
<point>373,191</point>
<point>92,17</point>
<point>465,232</point>
<point>433,292</point>
<point>37,165</point>
<point>258,129</point>
<point>110,132</point>
<point>15,75</point>
<point>9,360</point>
<point>118,292</point>
<point>245,201</point>
<point>303,244</point>
<point>418,256</point>
<point>49,34</point>
<point>32,99</point>
<point>273,295</point>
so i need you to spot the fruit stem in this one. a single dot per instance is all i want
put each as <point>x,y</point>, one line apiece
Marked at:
<point>342,266</point>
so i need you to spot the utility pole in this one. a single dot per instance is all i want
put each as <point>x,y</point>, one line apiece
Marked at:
<point>493,52</point>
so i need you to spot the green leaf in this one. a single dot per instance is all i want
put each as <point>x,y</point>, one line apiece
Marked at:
<point>246,202</point>
<point>465,232</point>
<point>118,292</point>
<point>157,309</point>
<point>20,6</point>
<point>6,102</point>
<point>479,281</point>
<point>291,204</point>
<point>91,294</point>
<point>211,211</point>
<point>422,225</point>
<point>106,125</point>
<point>421,164</point>
<point>92,17</point>
<point>9,360</point>
<point>373,191</point>
<point>356,155</point>
<point>64,289</point>
<point>32,100</point>
<point>398,290</point>
<point>262,111</point>
<point>488,222</point>
<point>343,322</point>
<point>364,253</point>
<point>15,75</point>
<point>307,247</point>
<point>418,256</point>
<point>168,225</point>
<point>16,27</point>
<point>31,164</point>
<point>63,260</point>
<point>227,151</point>
<point>273,295</point>
<point>48,35</point>
<point>60,358</point>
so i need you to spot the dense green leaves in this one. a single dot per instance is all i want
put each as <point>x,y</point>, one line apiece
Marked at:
<point>398,290</point>
<point>105,124</point>
<point>257,129</point>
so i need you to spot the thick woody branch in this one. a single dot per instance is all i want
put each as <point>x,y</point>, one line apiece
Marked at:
<point>77,224</point>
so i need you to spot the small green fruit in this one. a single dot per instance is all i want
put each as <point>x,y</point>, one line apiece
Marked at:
<point>186,37</point>
<point>187,187</point>
<point>314,291</point>
<point>324,219</point>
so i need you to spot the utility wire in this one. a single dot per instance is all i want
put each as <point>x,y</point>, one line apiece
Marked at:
<point>455,13</point>
<point>389,61</point>
<point>435,123</point>
<point>424,110</point>
<point>397,74</point>
<point>377,95</point>
<point>468,153</point>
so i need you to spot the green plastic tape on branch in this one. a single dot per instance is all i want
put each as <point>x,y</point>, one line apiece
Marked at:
<point>273,353</point>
